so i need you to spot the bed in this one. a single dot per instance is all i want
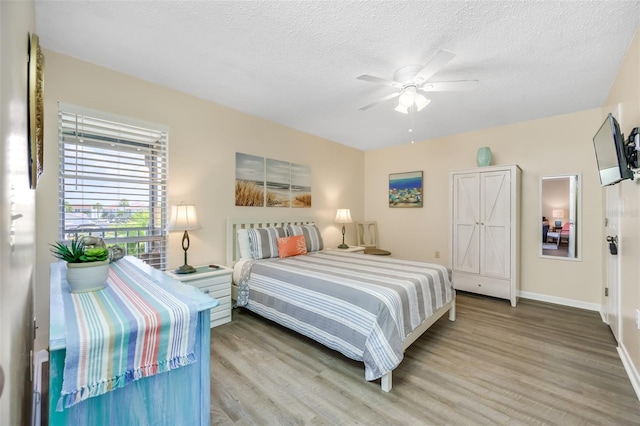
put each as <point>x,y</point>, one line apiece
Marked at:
<point>369,308</point>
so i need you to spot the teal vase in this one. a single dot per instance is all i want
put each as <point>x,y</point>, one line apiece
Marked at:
<point>484,156</point>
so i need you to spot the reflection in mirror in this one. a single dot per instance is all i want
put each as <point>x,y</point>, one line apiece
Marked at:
<point>560,212</point>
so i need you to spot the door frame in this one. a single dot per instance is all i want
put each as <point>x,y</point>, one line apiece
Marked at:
<point>612,225</point>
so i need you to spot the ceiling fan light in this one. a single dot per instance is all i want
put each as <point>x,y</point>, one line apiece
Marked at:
<point>401,108</point>
<point>406,99</point>
<point>421,102</point>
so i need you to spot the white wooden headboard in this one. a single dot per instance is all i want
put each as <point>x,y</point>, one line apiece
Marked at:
<point>235,223</point>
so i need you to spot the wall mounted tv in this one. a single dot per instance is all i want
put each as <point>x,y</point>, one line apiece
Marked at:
<point>610,150</point>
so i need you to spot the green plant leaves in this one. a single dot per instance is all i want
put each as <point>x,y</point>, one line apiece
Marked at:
<point>77,253</point>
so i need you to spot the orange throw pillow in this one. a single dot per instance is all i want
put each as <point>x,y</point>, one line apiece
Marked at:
<point>291,246</point>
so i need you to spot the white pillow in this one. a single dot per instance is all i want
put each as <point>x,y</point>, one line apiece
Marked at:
<point>243,244</point>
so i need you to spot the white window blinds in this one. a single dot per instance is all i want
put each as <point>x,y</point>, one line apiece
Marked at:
<point>113,182</point>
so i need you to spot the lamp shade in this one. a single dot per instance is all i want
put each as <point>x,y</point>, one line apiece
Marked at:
<point>183,218</point>
<point>343,216</point>
<point>421,102</point>
<point>559,213</point>
<point>410,97</point>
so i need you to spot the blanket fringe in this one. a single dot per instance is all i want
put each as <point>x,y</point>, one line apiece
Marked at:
<point>66,400</point>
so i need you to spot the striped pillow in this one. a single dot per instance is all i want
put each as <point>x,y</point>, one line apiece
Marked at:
<point>264,241</point>
<point>311,235</point>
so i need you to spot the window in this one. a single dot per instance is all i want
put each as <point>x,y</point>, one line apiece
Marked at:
<point>113,182</point>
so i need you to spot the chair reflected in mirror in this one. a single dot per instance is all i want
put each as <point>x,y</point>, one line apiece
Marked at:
<point>367,235</point>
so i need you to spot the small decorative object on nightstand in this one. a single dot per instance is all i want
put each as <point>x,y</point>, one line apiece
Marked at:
<point>215,281</point>
<point>343,216</point>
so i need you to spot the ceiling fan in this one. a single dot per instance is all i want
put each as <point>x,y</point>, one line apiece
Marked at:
<point>412,80</point>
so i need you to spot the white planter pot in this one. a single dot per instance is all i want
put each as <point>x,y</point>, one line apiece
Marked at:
<point>89,276</point>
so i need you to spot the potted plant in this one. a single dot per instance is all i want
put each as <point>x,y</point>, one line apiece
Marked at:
<point>87,267</point>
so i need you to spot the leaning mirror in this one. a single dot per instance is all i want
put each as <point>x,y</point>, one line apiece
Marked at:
<point>560,200</point>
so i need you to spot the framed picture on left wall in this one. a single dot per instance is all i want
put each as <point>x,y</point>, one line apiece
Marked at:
<point>35,115</point>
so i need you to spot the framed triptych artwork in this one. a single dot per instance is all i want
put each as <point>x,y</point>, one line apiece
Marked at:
<point>264,182</point>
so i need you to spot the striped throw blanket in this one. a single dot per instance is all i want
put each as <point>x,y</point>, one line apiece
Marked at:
<point>136,327</point>
<point>360,305</point>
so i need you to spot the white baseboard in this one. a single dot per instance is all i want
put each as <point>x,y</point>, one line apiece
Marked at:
<point>631,370</point>
<point>562,301</point>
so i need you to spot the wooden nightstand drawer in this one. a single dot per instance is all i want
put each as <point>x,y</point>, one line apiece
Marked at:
<point>221,314</point>
<point>210,281</point>
<point>215,283</point>
<point>217,292</point>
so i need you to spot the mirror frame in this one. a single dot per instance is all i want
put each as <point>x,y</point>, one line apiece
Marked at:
<point>578,226</point>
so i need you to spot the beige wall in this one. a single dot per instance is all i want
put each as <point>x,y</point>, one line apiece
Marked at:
<point>16,237</point>
<point>552,146</point>
<point>624,101</point>
<point>203,140</point>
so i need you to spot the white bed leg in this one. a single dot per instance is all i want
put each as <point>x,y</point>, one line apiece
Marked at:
<point>452,311</point>
<point>386,382</point>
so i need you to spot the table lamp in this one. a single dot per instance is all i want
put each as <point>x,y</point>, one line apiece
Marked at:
<point>184,217</point>
<point>558,214</point>
<point>343,216</point>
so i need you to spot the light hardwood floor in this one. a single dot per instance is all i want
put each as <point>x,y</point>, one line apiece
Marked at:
<point>534,364</point>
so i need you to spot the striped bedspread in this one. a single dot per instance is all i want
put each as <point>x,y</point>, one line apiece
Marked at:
<point>360,305</point>
<point>134,328</point>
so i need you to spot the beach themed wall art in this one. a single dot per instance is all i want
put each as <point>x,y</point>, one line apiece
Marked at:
<point>405,189</point>
<point>249,180</point>
<point>278,183</point>
<point>272,183</point>
<point>300,186</point>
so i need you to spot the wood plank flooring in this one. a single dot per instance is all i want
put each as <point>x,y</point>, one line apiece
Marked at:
<point>536,364</point>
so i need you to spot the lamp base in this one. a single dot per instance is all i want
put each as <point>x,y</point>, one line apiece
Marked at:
<point>185,269</point>
<point>343,246</point>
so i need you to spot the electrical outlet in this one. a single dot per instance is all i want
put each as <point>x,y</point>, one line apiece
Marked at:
<point>638,318</point>
<point>437,255</point>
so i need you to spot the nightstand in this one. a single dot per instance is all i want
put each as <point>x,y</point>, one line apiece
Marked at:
<point>351,249</point>
<point>216,283</point>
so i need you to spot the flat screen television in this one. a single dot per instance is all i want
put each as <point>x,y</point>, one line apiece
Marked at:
<point>610,153</point>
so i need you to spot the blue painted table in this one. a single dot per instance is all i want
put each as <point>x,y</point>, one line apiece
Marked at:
<point>177,397</point>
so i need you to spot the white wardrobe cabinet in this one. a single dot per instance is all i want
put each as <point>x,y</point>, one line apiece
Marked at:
<point>485,243</point>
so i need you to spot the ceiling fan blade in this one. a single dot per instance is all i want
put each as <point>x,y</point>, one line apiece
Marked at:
<point>444,86</point>
<point>378,80</point>
<point>386,98</point>
<point>434,65</point>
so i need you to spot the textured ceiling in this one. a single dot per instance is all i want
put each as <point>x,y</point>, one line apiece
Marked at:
<point>296,62</point>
